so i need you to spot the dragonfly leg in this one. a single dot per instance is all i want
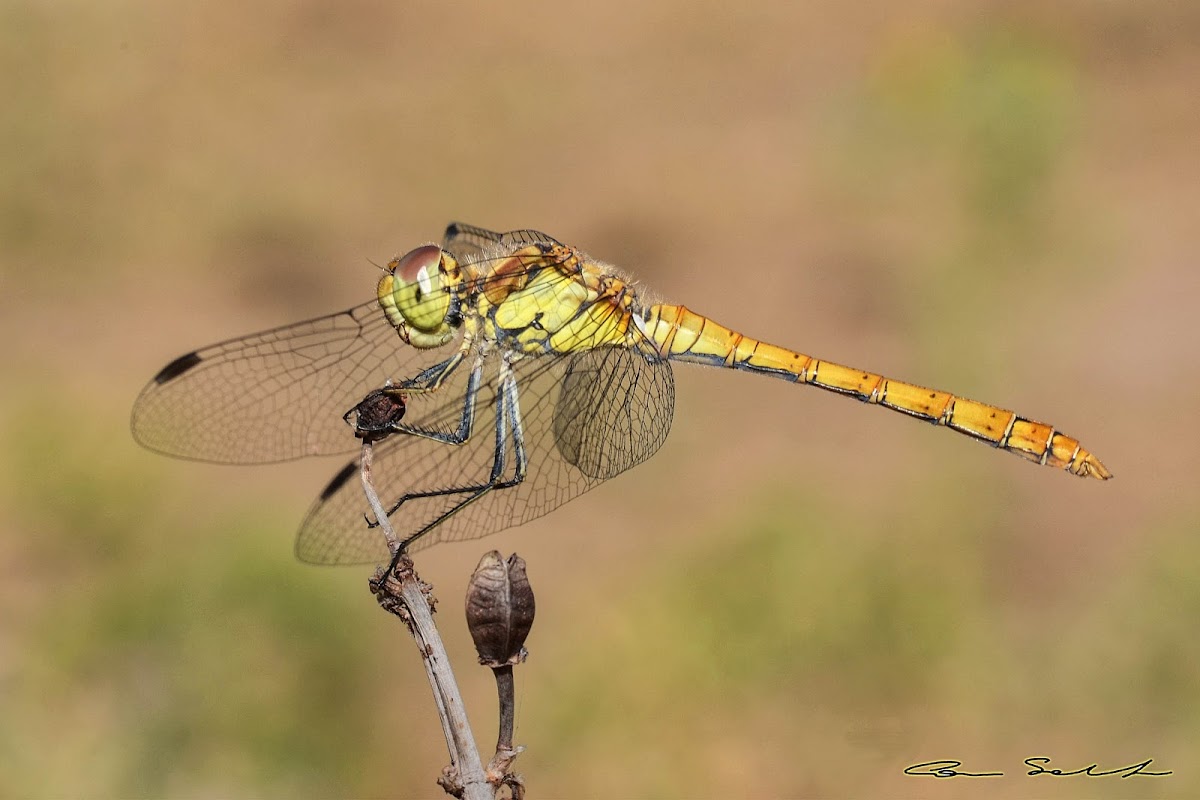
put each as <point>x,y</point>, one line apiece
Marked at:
<point>508,423</point>
<point>430,379</point>
<point>466,422</point>
<point>515,427</point>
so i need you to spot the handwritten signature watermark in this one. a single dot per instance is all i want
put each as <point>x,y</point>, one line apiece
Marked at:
<point>1039,765</point>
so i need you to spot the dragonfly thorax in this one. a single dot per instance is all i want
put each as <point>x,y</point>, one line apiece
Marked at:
<point>416,296</point>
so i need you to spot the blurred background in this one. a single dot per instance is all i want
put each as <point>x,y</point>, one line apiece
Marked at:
<point>798,596</point>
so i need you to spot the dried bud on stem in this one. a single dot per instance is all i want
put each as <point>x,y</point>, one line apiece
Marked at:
<point>500,609</point>
<point>500,612</point>
<point>376,415</point>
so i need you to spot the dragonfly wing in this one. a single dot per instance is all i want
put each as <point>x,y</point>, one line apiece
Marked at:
<point>275,395</point>
<point>614,411</point>
<point>469,243</point>
<point>586,417</point>
<point>528,236</point>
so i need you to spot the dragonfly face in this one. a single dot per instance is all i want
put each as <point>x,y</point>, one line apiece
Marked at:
<point>417,295</point>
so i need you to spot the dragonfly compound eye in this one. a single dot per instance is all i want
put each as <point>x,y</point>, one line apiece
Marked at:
<point>414,298</point>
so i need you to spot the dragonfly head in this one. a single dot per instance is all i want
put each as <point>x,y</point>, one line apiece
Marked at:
<point>415,294</point>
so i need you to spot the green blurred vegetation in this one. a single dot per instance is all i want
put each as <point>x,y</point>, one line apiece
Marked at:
<point>180,657</point>
<point>783,624</point>
<point>798,597</point>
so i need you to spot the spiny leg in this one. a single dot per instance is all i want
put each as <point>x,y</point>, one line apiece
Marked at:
<point>509,386</point>
<point>465,427</point>
<point>431,378</point>
<point>508,421</point>
<point>466,422</point>
<point>507,409</point>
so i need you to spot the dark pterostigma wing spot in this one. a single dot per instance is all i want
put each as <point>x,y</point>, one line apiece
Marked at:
<point>457,229</point>
<point>339,480</point>
<point>177,367</point>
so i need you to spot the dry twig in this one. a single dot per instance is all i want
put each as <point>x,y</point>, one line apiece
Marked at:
<point>402,593</point>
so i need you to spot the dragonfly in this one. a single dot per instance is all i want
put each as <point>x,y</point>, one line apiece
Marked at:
<point>515,373</point>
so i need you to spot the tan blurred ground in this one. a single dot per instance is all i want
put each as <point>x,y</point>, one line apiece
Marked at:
<point>798,596</point>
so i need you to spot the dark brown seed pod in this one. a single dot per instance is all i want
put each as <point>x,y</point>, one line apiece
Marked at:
<point>500,609</point>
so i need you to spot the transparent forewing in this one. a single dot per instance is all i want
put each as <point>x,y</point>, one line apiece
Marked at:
<point>275,395</point>
<point>471,243</point>
<point>468,242</point>
<point>585,417</point>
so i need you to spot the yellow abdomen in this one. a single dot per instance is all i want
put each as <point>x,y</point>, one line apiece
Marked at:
<point>682,335</point>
